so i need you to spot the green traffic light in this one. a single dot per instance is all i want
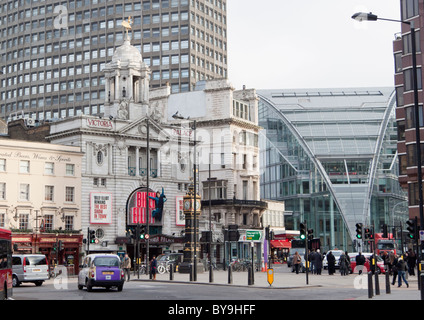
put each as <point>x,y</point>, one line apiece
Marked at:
<point>359,236</point>
<point>302,237</point>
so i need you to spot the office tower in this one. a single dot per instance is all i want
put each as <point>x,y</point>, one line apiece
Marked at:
<point>405,111</point>
<point>52,53</point>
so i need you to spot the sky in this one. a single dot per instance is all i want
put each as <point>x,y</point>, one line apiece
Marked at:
<point>295,44</point>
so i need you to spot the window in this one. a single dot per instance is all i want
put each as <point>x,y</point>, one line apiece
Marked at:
<point>69,223</point>
<point>2,190</point>
<point>48,193</point>
<point>24,166</point>
<point>70,194</point>
<point>49,168</point>
<point>2,165</point>
<point>70,169</point>
<point>218,189</point>
<point>409,8</point>
<point>99,157</point>
<point>23,221</point>
<point>409,81</point>
<point>24,192</point>
<point>48,222</point>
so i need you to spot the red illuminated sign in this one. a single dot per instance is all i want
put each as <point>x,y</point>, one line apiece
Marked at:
<point>137,205</point>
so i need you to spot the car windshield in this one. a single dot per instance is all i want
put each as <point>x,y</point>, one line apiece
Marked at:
<point>382,245</point>
<point>36,260</point>
<point>106,262</point>
<point>162,258</point>
<point>301,251</point>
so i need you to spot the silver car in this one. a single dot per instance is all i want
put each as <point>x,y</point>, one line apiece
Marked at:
<point>29,268</point>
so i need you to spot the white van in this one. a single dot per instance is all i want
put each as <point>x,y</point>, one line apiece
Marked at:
<point>29,268</point>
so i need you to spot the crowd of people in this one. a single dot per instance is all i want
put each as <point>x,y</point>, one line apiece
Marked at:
<point>396,265</point>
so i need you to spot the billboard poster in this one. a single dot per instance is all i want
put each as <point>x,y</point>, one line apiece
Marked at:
<point>100,207</point>
<point>180,217</point>
<point>136,206</point>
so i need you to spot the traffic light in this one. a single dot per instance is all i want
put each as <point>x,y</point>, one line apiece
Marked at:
<point>371,234</point>
<point>385,231</point>
<point>310,234</point>
<point>359,230</point>
<point>91,236</point>
<point>302,231</point>
<point>60,246</point>
<point>367,233</point>
<point>412,228</point>
<point>140,232</point>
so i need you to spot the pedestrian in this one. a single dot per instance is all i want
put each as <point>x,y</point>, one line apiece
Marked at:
<point>401,269</point>
<point>394,262</point>
<point>126,265</point>
<point>318,261</point>
<point>344,262</point>
<point>411,261</point>
<point>331,263</point>
<point>153,267</point>
<point>312,261</point>
<point>385,257</point>
<point>297,259</point>
<point>360,262</point>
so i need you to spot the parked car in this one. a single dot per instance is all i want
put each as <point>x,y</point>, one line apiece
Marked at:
<point>380,262</point>
<point>336,254</point>
<point>101,270</point>
<point>170,259</point>
<point>29,268</point>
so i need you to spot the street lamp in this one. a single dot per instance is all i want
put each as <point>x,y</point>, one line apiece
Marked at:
<point>178,116</point>
<point>361,16</point>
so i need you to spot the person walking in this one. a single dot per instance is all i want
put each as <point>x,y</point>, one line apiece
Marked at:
<point>331,263</point>
<point>318,261</point>
<point>393,262</point>
<point>153,267</point>
<point>344,265</point>
<point>411,261</point>
<point>360,262</point>
<point>297,259</point>
<point>312,260</point>
<point>126,265</point>
<point>401,269</point>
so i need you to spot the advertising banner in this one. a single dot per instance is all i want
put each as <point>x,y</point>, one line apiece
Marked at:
<point>100,207</point>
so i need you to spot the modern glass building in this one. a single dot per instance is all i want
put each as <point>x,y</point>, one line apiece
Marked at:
<point>331,156</point>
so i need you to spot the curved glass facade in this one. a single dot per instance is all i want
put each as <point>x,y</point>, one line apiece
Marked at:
<point>331,156</point>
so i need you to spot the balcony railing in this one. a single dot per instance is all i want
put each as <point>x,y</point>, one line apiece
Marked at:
<point>236,202</point>
<point>142,172</point>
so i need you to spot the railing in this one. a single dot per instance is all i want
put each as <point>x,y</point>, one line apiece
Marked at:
<point>142,172</point>
<point>236,202</point>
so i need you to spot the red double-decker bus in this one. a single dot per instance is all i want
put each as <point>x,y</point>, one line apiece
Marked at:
<point>5,264</point>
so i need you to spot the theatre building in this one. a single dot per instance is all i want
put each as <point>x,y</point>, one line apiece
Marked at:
<point>40,199</point>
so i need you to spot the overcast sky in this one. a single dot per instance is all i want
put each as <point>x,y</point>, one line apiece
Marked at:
<point>287,44</point>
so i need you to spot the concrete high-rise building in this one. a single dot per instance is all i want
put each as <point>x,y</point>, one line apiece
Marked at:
<point>52,53</point>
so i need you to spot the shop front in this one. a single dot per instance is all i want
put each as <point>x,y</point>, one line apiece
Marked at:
<point>60,249</point>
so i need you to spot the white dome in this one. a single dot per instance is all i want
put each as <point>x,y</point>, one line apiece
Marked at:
<point>127,53</point>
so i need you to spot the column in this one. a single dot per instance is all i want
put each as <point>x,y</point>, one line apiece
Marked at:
<point>137,156</point>
<point>117,91</point>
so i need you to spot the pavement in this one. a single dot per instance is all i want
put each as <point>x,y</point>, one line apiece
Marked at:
<point>284,279</point>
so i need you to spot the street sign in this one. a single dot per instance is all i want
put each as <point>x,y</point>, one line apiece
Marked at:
<point>146,236</point>
<point>253,235</point>
<point>421,235</point>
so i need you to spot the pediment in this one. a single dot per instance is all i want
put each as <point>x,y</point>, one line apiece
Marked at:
<point>138,128</point>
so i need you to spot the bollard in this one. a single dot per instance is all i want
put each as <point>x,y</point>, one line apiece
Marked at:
<point>211,273</point>
<point>377,284</point>
<point>249,276</point>
<point>387,281</point>
<point>230,275</point>
<point>370,289</point>
<point>422,284</point>
<point>171,272</point>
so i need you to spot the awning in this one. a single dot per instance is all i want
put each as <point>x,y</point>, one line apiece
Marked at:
<point>280,244</point>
